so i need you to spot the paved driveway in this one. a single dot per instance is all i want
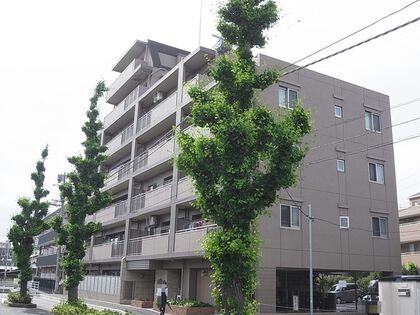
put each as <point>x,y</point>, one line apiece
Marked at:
<point>5,310</point>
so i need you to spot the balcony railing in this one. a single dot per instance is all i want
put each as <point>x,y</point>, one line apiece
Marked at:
<point>118,174</point>
<point>160,152</point>
<point>120,139</point>
<point>199,79</point>
<point>107,250</point>
<point>166,107</point>
<point>185,188</point>
<point>148,245</point>
<point>189,240</point>
<point>158,196</point>
<point>111,212</point>
<point>120,209</point>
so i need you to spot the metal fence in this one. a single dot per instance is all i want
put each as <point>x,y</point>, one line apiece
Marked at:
<point>101,284</point>
<point>45,285</point>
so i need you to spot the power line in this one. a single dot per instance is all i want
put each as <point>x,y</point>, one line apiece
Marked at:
<point>351,34</point>
<point>353,46</point>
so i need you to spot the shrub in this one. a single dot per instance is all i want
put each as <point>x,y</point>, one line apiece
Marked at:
<point>16,297</point>
<point>188,303</point>
<point>79,308</point>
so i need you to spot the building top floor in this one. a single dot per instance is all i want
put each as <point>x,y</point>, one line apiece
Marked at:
<point>411,214</point>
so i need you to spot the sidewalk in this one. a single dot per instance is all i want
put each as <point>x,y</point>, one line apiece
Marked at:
<point>5,310</point>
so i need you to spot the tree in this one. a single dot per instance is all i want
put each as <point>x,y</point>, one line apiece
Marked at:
<point>249,156</point>
<point>29,223</point>
<point>83,197</point>
<point>410,268</point>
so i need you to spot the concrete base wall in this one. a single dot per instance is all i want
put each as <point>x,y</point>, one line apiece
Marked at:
<point>99,296</point>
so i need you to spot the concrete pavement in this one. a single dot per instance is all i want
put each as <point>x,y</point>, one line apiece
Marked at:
<point>45,303</point>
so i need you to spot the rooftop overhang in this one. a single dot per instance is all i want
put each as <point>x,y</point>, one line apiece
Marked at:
<point>133,52</point>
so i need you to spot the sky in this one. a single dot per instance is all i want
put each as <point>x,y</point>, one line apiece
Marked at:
<point>53,53</point>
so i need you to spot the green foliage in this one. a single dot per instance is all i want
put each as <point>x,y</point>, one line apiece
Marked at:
<point>188,303</point>
<point>410,268</point>
<point>29,223</point>
<point>83,197</point>
<point>248,158</point>
<point>17,297</point>
<point>363,282</point>
<point>79,308</point>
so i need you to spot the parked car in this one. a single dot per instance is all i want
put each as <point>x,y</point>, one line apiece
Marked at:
<point>347,293</point>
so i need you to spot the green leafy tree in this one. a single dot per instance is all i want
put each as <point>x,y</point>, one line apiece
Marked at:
<point>249,156</point>
<point>83,197</point>
<point>29,223</point>
<point>410,268</point>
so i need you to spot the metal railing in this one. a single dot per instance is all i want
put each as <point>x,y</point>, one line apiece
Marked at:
<point>120,209</point>
<point>127,133</point>
<point>140,201</point>
<point>135,245</point>
<point>117,249</point>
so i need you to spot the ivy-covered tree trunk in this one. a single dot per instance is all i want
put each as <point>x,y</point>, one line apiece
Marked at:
<point>83,197</point>
<point>249,156</point>
<point>29,223</point>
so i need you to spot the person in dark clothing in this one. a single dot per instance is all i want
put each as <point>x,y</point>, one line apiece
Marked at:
<point>163,303</point>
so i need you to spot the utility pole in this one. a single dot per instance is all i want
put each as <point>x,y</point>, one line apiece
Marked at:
<point>311,287</point>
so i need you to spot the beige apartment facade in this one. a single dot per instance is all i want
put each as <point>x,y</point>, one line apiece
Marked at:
<point>151,232</point>
<point>410,231</point>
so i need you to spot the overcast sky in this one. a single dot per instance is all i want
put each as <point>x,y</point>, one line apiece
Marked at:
<point>53,53</point>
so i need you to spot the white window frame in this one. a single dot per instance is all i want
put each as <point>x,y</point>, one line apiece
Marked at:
<point>381,233</point>
<point>291,208</point>
<point>340,113</point>
<point>369,124</point>
<point>346,217</point>
<point>287,95</point>
<point>341,165</point>
<point>378,166</point>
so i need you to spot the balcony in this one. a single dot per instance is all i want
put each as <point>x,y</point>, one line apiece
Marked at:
<point>46,260</point>
<point>153,198</point>
<point>157,114</point>
<point>135,72</point>
<point>113,211</point>
<point>200,79</point>
<point>159,153</point>
<point>107,251</point>
<point>47,237</point>
<point>189,240</point>
<point>408,232</point>
<point>119,140</point>
<point>185,189</point>
<point>117,175</point>
<point>148,245</point>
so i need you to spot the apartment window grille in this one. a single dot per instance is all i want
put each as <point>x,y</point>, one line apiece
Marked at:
<point>372,121</point>
<point>341,165</point>
<point>380,227</point>
<point>344,222</point>
<point>287,97</point>
<point>338,111</point>
<point>290,216</point>
<point>376,173</point>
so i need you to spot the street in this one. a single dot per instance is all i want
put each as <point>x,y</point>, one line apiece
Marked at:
<point>45,302</point>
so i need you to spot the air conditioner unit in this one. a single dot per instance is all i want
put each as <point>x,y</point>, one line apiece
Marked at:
<point>152,220</point>
<point>157,97</point>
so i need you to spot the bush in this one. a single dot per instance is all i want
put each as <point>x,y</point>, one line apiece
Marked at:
<point>79,308</point>
<point>188,303</point>
<point>16,297</point>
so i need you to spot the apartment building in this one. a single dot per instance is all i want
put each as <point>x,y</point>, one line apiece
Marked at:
<point>47,272</point>
<point>410,231</point>
<point>152,231</point>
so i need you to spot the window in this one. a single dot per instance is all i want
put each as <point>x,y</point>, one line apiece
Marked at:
<point>340,165</point>
<point>290,216</point>
<point>287,97</point>
<point>376,173</point>
<point>344,222</point>
<point>372,122</point>
<point>338,110</point>
<point>380,227</point>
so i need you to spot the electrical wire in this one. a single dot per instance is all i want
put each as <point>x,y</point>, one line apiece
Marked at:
<point>351,34</point>
<point>353,46</point>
